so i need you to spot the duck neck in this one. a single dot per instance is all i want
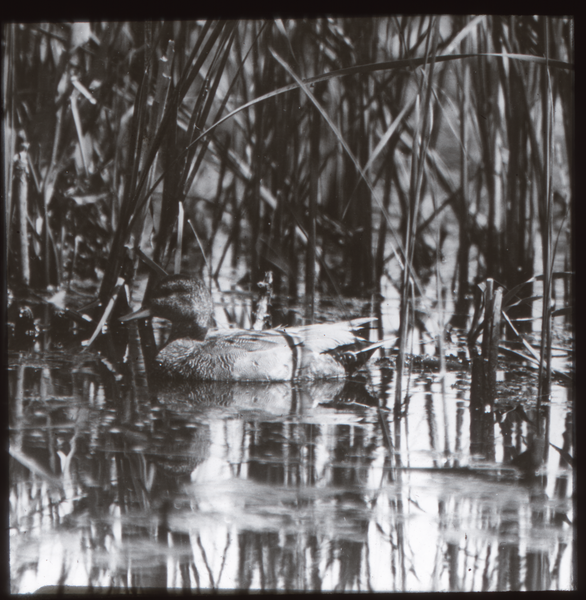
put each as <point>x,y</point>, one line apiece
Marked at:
<point>187,329</point>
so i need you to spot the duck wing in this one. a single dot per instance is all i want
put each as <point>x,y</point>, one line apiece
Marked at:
<point>251,341</point>
<point>318,338</point>
<point>325,337</point>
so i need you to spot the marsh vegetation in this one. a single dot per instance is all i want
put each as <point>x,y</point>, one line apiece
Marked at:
<point>417,169</point>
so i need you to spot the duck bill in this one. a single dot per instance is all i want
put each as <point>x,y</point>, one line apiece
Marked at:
<point>141,313</point>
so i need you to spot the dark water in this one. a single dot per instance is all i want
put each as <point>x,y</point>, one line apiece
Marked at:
<point>117,482</point>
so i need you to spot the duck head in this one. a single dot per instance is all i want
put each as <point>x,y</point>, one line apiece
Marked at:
<point>184,301</point>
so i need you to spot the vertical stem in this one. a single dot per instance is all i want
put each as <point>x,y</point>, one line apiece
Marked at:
<point>254,209</point>
<point>461,311</point>
<point>547,235</point>
<point>493,245</point>
<point>46,242</point>
<point>380,258</point>
<point>365,214</point>
<point>8,107</point>
<point>405,287</point>
<point>21,172</point>
<point>261,318</point>
<point>440,339</point>
<point>315,119</point>
<point>490,338</point>
<point>179,249</point>
<point>235,233</point>
<point>292,288</point>
<point>379,263</point>
<point>420,142</point>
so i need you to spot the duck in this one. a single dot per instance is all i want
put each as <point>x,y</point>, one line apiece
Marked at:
<point>195,351</point>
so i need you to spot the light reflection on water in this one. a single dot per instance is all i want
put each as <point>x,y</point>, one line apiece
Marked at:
<point>320,486</point>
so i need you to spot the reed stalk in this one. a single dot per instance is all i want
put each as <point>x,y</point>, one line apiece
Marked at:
<point>312,217</point>
<point>21,171</point>
<point>546,228</point>
<point>418,150</point>
<point>461,309</point>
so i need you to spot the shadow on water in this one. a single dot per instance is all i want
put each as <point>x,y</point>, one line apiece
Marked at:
<point>116,483</point>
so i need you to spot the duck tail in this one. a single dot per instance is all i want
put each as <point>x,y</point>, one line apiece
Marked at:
<point>388,343</point>
<point>358,326</point>
<point>353,357</point>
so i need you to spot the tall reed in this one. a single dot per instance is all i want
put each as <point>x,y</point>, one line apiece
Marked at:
<point>300,139</point>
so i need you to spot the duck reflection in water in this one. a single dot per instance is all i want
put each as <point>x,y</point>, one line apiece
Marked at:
<point>194,352</point>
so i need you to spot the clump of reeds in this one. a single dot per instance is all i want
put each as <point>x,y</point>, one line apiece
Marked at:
<point>327,151</point>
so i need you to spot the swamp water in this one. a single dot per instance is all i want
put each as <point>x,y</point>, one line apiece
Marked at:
<point>119,484</point>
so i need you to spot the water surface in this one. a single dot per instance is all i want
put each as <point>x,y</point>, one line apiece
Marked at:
<point>117,482</point>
